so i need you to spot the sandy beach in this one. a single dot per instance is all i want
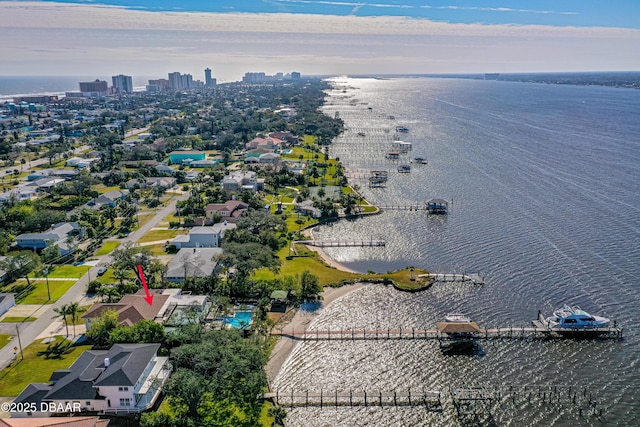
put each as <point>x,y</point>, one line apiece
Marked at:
<point>300,321</point>
<point>326,258</point>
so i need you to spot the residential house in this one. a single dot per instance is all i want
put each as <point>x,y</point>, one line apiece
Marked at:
<point>186,156</point>
<point>286,136</point>
<point>203,237</point>
<point>81,163</point>
<point>306,208</point>
<point>165,170</point>
<point>131,309</point>
<point>127,378</point>
<point>229,211</point>
<point>19,194</point>
<point>46,183</point>
<point>203,163</point>
<point>193,262</point>
<point>156,181</point>
<point>269,143</point>
<point>62,234</point>
<point>269,159</point>
<point>6,300</point>
<point>242,180</point>
<point>110,198</point>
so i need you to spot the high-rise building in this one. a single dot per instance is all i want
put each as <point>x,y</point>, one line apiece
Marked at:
<point>95,86</point>
<point>207,77</point>
<point>295,75</point>
<point>158,85</point>
<point>179,81</point>
<point>122,84</point>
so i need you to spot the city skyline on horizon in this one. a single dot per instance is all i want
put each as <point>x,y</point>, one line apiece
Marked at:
<point>313,37</point>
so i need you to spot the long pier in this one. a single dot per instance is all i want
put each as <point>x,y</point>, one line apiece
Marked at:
<point>537,331</point>
<point>466,401</point>
<point>335,398</point>
<point>341,243</point>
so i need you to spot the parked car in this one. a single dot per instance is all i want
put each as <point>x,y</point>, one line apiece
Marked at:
<point>102,270</point>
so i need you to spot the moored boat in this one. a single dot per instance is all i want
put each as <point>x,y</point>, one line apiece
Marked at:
<point>575,319</point>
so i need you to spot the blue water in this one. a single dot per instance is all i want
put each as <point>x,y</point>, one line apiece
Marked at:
<point>240,320</point>
<point>54,85</point>
<point>545,184</point>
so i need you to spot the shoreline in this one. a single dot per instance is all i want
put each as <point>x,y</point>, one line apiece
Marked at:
<point>302,318</point>
<point>324,256</point>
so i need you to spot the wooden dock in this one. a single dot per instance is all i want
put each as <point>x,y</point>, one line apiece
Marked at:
<point>470,401</point>
<point>536,332</point>
<point>326,399</point>
<point>341,243</point>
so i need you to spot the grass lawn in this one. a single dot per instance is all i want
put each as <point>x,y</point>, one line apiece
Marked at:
<point>15,319</point>
<point>69,271</point>
<point>312,262</point>
<point>107,247</point>
<point>4,339</point>
<point>34,368</point>
<point>102,189</point>
<point>107,277</point>
<point>329,276</point>
<point>157,250</point>
<point>39,294</point>
<point>145,218</point>
<point>154,235</point>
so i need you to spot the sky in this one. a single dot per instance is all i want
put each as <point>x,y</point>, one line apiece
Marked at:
<point>154,37</point>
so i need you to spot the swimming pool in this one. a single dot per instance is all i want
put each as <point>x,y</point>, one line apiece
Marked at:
<point>241,319</point>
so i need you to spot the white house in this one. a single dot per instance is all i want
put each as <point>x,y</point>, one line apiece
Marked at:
<point>242,180</point>
<point>203,237</point>
<point>6,302</point>
<point>127,378</point>
<point>192,262</point>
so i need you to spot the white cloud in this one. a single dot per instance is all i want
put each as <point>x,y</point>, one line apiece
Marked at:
<point>54,38</point>
<point>505,9</point>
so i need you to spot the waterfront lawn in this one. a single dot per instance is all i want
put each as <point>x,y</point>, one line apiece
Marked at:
<point>36,369</point>
<point>15,319</point>
<point>308,260</point>
<point>107,247</point>
<point>330,276</point>
<point>5,339</point>
<point>155,235</point>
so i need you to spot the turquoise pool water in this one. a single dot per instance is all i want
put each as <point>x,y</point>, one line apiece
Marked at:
<point>241,319</point>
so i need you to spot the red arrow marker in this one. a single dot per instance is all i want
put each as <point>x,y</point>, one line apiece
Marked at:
<point>149,297</point>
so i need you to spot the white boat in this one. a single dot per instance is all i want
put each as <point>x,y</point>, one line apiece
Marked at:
<point>456,318</point>
<point>574,318</point>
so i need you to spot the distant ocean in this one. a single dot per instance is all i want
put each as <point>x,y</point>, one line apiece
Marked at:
<point>11,86</point>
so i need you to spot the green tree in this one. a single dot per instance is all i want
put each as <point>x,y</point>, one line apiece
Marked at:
<point>309,285</point>
<point>101,328</point>
<point>74,310</point>
<point>62,312</point>
<point>279,414</point>
<point>143,332</point>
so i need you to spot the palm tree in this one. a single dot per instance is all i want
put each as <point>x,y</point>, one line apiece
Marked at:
<point>73,310</point>
<point>62,312</point>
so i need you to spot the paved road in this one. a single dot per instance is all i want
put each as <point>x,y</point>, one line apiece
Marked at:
<point>37,162</point>
<point>31,330</point>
